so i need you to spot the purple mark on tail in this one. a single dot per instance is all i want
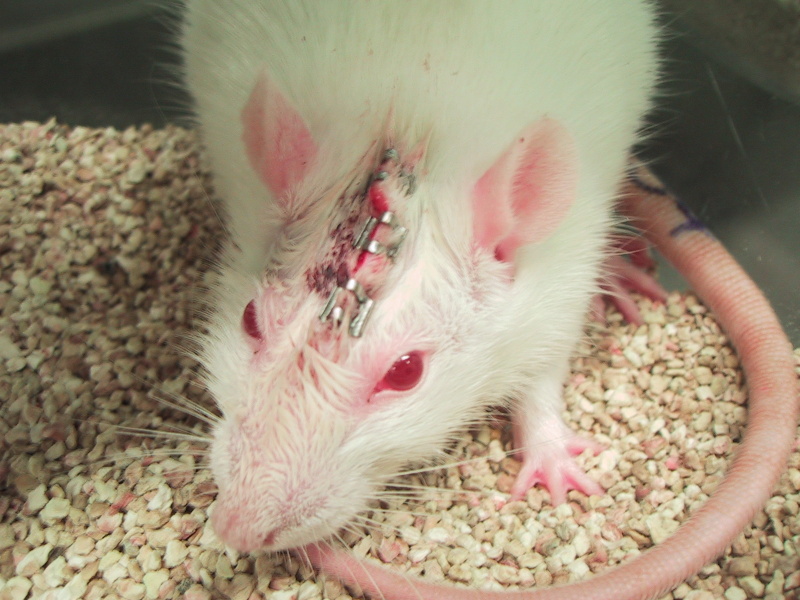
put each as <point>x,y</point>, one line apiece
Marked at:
<point>648,183</point>
<point>654,186</point>
<point>692,223</point>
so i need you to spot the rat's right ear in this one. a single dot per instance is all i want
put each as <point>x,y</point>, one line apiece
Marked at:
<point>524,196</point>
<point>278,143</point>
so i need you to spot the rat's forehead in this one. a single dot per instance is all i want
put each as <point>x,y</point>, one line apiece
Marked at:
<point>360,245</point>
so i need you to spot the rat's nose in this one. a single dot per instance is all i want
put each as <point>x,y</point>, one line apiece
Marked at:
<point>238,531</point>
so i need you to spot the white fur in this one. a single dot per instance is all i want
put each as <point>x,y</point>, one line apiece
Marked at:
<point>471,75</point>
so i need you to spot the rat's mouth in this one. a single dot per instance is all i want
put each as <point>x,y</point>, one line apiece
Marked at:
<point>255,526</point>
<point>267,540</point>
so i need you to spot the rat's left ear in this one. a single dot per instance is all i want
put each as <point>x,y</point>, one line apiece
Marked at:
<point>276,138</point>
<point>523,197</point>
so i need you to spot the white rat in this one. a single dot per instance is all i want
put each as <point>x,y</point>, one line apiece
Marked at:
<point>419,196</point>
<point>486,140</point>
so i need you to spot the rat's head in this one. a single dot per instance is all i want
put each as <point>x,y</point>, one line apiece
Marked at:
<point>377,330</point>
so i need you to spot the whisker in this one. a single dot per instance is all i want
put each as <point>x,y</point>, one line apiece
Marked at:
<point>374,584</point>
<point>189,407</point>
<point>375,523</point>
<point>392,511</point>
<point>120,457</point>
<point>177,402</point>
<point>408,499</point>
<point>398,495</point>
<point>302,551</point>
<point>170,435</point>
<point>208,493</point>
<point>421,487</point>
<point>188,430</point>
<point>433,468</point>
<point>356,530</point>
<point>405,575</point>
<point>165,451</point>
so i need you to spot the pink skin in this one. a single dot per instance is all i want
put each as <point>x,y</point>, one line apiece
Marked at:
<point>280,150</point>
<point>556,470</point>
<point>544,152</point>
<point>766,357</point>
<point>622,276</point>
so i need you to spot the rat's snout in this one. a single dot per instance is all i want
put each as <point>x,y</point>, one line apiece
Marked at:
<point>260,521</point>
<point>276,491</point>
<point>238,529</point>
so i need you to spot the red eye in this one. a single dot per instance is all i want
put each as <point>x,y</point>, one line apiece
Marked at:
<point>404,374</point>
<point>249,321</point>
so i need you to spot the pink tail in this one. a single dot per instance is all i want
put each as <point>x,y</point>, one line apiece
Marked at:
<point>766,357</point>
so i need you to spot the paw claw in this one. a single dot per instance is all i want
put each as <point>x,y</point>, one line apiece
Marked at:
<point>578,445</point>
<point>625,276</point>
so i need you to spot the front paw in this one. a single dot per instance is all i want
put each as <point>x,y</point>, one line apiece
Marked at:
<point>552,465</point>
<point>621,276</point>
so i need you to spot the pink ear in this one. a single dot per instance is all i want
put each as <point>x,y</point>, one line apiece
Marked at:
<point>526,193</point>
<point>278,143</point>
